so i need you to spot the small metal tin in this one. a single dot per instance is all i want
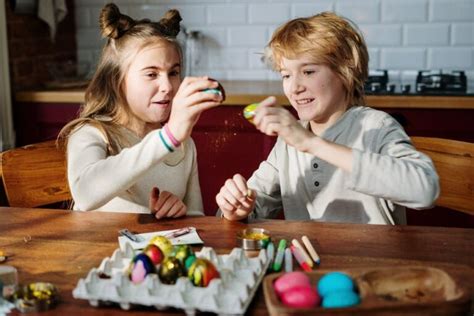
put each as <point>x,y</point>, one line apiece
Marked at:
<point>253,238</point>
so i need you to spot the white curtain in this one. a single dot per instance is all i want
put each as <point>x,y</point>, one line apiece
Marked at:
<point>7,134</point>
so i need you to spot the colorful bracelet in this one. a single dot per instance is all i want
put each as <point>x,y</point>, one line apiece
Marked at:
<point>174,141</point>
<point>170,149</point>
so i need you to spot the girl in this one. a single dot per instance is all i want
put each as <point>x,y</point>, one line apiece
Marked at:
<point>118,151</point>
<point>343,162</point>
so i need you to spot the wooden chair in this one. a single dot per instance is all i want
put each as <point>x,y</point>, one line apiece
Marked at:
<point>454,162</point>
<point>34,175</point>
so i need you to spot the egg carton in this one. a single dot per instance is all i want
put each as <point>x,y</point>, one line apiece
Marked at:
<point>230,294</point>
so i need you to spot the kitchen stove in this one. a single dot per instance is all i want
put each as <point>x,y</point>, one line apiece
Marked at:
<point>433,83</point>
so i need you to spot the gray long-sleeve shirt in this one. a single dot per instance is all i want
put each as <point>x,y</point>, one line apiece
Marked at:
<point>388,175</point>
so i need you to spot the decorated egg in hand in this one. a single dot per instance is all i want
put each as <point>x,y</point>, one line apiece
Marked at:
<point>301,296</point>
<point>163,243</point>
<point>333,282</point>
<point>140,266</point>
<point>154,253</point>
<point>181,252</point>
<point>249,111</point>
<point>202,271</point>
<point>170,270</point>
<point>290,280</point>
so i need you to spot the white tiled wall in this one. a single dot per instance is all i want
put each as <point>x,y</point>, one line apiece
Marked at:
<point>403,35</point>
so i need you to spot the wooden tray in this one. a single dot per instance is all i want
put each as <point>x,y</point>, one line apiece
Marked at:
<point>408,290</point>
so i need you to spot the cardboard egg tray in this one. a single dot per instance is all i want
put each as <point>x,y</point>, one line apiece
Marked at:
<point>230,294</point>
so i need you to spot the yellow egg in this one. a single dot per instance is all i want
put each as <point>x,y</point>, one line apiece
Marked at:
<point>249,111</point>
<point>163,243</point>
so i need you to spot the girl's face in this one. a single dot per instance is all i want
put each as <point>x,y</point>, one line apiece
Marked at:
<point>151,82</point>
<point>314,90</point>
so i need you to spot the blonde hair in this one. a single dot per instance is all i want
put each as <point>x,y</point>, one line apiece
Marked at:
<point>105,103</point>
<point>330,40</point>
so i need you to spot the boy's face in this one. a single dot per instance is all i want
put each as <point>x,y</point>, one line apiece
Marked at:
<point>314,90</point>
<point>152,81</point>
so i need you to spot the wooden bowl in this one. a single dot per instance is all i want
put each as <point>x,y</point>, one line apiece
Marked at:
<point>409,290</point>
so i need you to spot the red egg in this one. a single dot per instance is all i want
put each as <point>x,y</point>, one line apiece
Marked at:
<point>290,280</point>
<point>154,253</point>
<point>301,297</point>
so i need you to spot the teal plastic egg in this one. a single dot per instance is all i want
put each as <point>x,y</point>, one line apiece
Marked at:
<point>334,281</point>
<point>340,299</point>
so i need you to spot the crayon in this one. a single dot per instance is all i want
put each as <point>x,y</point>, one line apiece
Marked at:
<point>279,256</point>
<point>311,249</point>
<point>288,260</point>
<point>305,255</point>
<point>300,259</point>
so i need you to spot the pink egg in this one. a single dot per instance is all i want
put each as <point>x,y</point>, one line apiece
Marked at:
<point>301,297</point>
<point>290,280</point>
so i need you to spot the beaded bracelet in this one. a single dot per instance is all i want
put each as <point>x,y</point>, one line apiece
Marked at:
<point>170,148</point>
<point>174,141</point>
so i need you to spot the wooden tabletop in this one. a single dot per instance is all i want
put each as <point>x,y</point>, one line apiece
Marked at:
<point>62,246</point>
<point>245,92</point>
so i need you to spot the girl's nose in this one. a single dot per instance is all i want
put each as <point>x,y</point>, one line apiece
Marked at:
<point>165,84</point>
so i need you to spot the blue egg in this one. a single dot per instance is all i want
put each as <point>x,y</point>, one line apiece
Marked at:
<point>340,299</point>
<point>334,281</point>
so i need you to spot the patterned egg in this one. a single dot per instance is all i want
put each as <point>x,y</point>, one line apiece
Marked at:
<point>202,271</point>
<point>249,111</point>
<point>339,299</point>
<point>154,253</point>
<point>140,266</point>
<point>170,270</point>
<point>182,252</point>
<point>163,243</point>
<point>290,280</point>
<point>334,281</point>
<point>301,296</point>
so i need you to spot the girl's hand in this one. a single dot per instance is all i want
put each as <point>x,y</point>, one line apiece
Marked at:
<point>273,121</point>
<point>166,204</point>
<point>188,104</point>
<point>235,200</point>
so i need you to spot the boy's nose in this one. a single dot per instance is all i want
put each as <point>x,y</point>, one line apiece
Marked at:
<point>296,86</point>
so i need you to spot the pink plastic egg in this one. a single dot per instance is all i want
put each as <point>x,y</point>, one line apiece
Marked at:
<point>290,280</point>
<point>301,297</point>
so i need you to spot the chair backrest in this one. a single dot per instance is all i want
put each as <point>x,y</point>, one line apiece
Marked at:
<point>34,175</point>
<point>454,162</point>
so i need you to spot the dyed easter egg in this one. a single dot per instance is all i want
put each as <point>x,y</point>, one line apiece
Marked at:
<point>202,271</point>
<point>334,281</point>
<point>163,243</point>
<point>181,252</point>
<point>140,266</point>
<point>249,111</point>
<point>345,298</point>
<point>189,261</point>
<point>290,280</point>
<point>170,270</point>
<point>154,253</point>
<point>301,296</point>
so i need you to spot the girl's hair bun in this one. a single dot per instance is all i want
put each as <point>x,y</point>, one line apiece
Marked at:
<point>114,24</point>
<point>170,23</point>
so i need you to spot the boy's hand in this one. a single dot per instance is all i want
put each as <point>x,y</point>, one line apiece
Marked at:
<point>274,121</point>
<point>166,204</point>
<point>235,200</point>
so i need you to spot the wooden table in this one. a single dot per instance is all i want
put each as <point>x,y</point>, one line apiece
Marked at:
<point>62,246</point>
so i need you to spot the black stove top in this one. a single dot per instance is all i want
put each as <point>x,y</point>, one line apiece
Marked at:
<point>438,83</point>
